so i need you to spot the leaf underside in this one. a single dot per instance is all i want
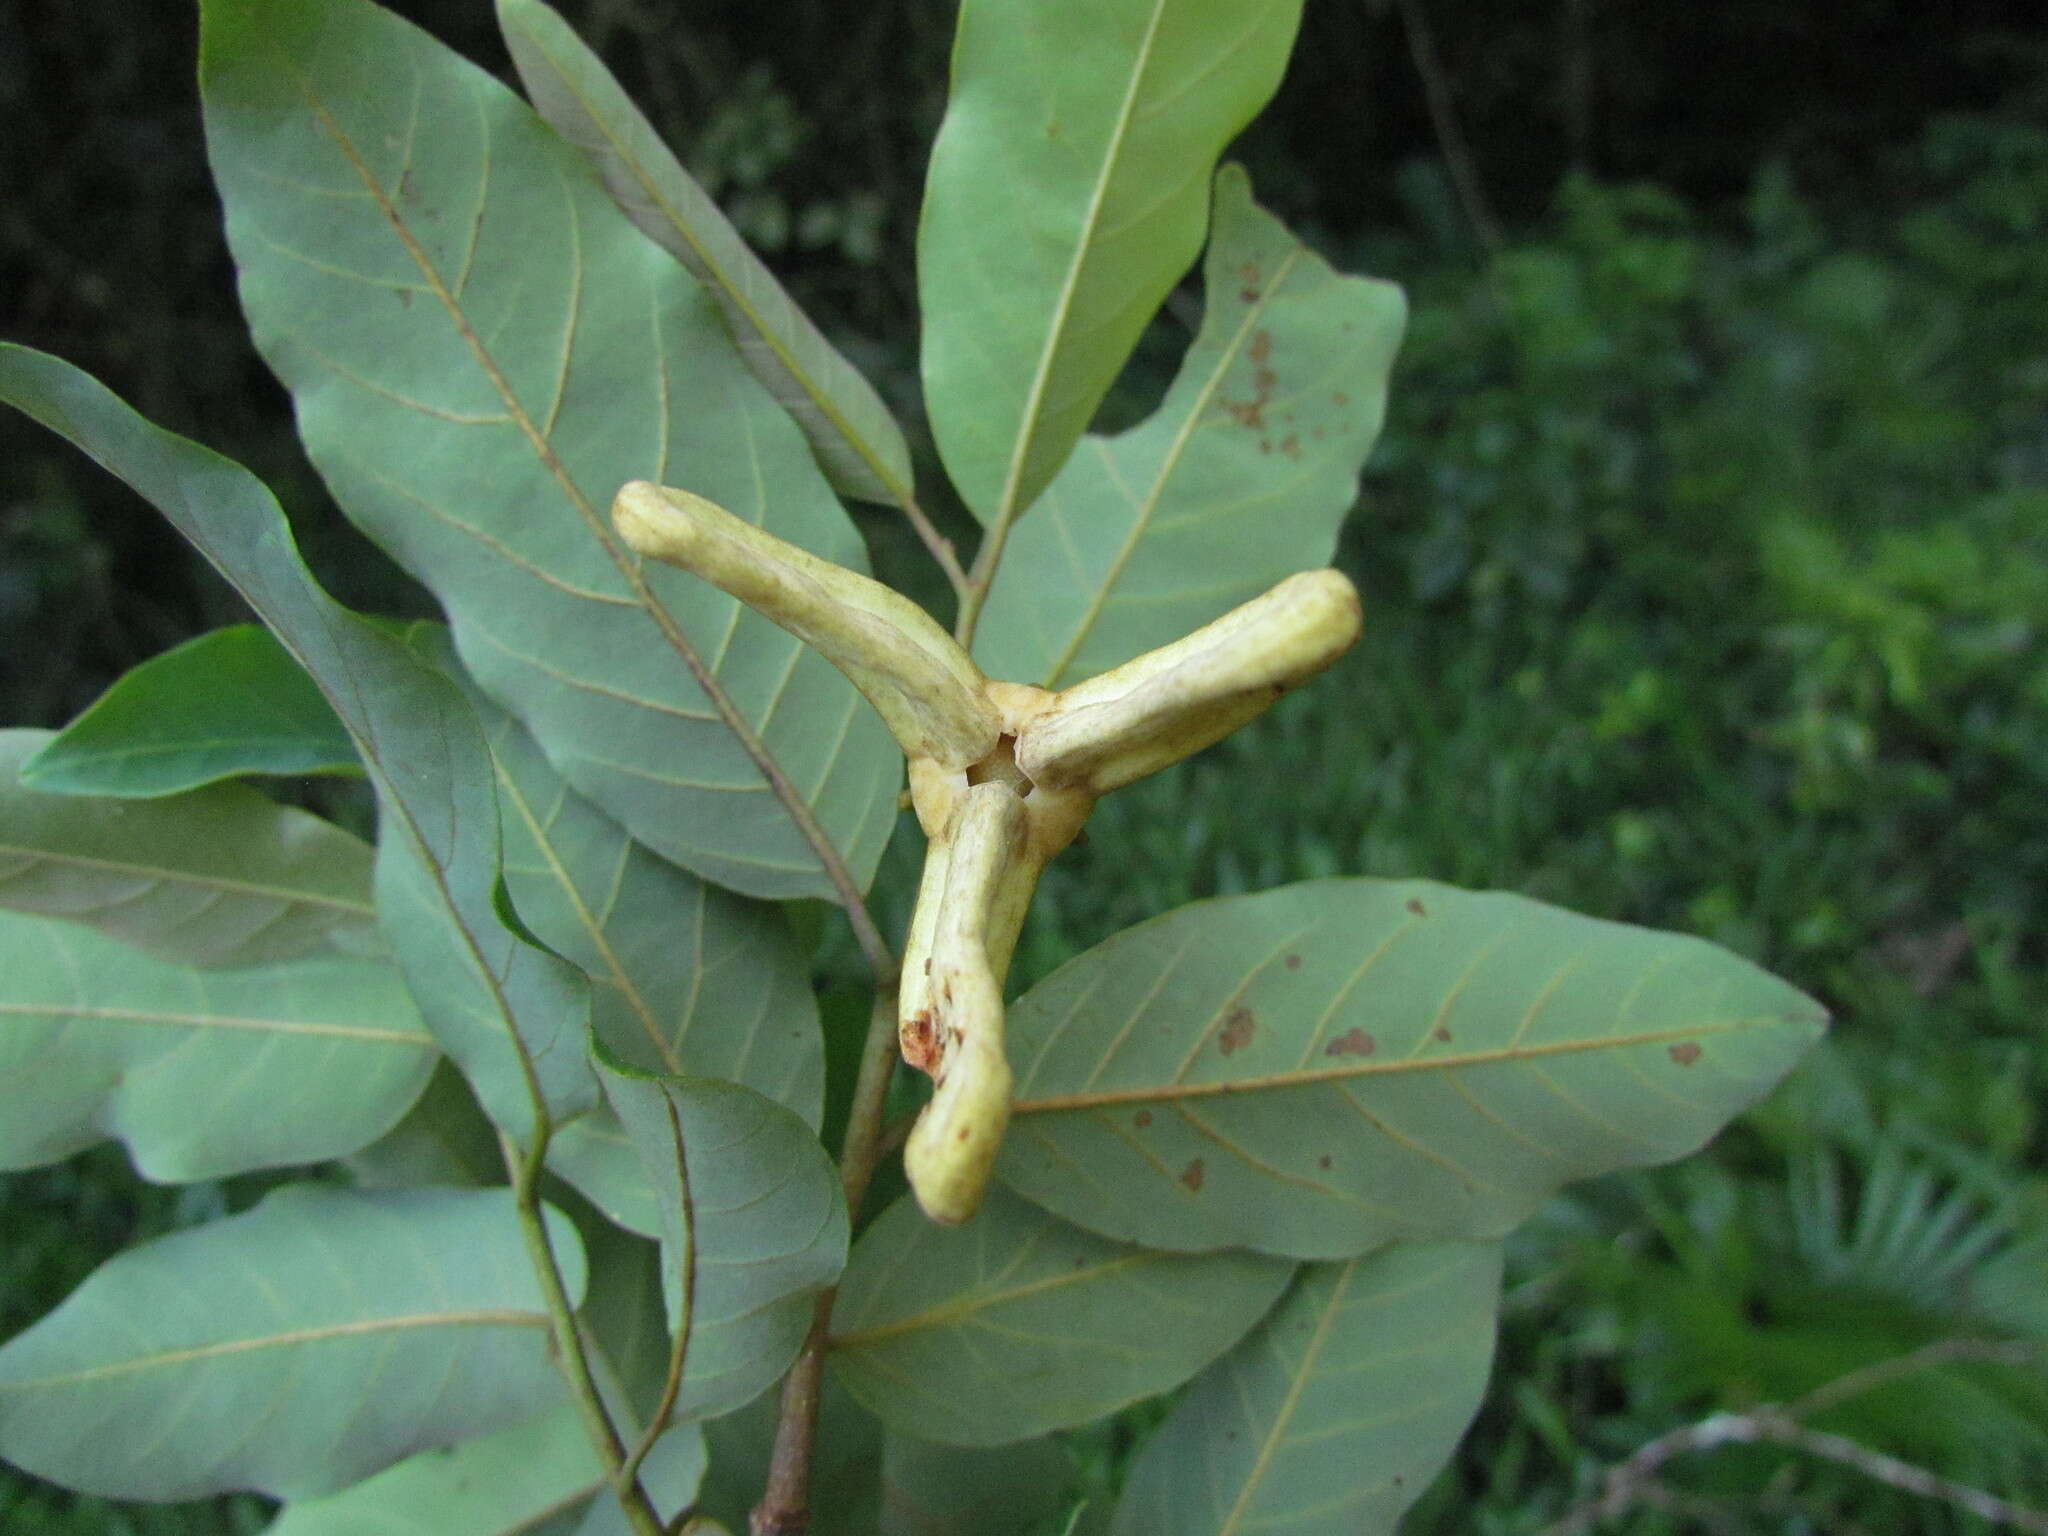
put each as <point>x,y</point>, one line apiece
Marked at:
<point>1017,1323</point>
<point>1336,1411</point>
<point>482,349</point>
<point>200,1073</point>
<point>1327,1067</point>
<point>293,1350</point>
<point>215,876</point>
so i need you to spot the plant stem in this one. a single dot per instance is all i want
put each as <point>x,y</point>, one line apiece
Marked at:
<point>785,1507</point>
<point>940,546</point>
<point>979,582</point>
<point>575,1364</point>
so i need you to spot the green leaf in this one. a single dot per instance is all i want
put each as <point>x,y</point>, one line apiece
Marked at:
<point>216,876</point>
<point>539,1478</point>
<point>511,1014</point>
<point>1240,478</point>
<point>1328,1067</point>
<point>688,979</point>
<point>226,703</point>
<point>1016,1323</point>
<point>1068,192</point>
<point>952,1490</point>
<point>858,444</point>
<point>443,1139</point>
<point>1336,1411</point>
<point>199,1073</point>
<point>752,1224</point>
<point>293,1350</point>
<point>534,1478</point>
<point>482,349</point>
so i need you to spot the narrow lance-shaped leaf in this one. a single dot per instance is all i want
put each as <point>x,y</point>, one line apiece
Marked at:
<point>1336,1411</point>
<point>752,1226</point>
<point>292,1350</point>
<point>512,1014</point>
<point>200,1073</point>
<point>226,703</point>
<point>1015,1324</point>
<point>1241,477</point>
<point>857,441</point>
<point>482,350</point>
<point>1068,192</point>
<point>215,876</point>
<point>1321,1069</point>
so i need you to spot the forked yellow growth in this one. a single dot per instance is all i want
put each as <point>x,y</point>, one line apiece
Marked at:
<point>1002,775</point>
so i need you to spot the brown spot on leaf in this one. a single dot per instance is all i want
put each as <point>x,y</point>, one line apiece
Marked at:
<point>1353,1042</point>
<point>1442,1034</point>
<point>1341,398</point>
<point>1265,445</point>
<point>1686,1052</point>
<point>1290,445</point>
<point>1249,272</point>
<point>1417,907</point>
<point>1142,1118</point>
<point>1238,1030</point>
<point>1248,295</point>
<point>1192,1175</point>
<point>1261,348</point>
<point>1323,1161</point>
<point>1293,962</point>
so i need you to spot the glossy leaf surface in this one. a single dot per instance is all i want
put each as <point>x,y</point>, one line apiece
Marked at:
<point>512,1015</point>
<point>216,876</point>
<point>200,1073</point>
<point>1068,192</point>
<point>858,444</point>
<point>482,349</point>
<point>1240,478</point>
<point>1336,1411</point>
<point>222,704</point>
<point>1324,1068</point>
<point>752,1226</point>
<point>294,1350</point>
<point>1017,1323</point>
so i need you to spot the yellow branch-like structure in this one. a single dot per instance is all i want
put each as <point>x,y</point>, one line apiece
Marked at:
<point>1002,775</point>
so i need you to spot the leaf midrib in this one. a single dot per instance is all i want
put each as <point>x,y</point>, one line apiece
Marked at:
<point>1153,1094</point>
<point>178,877</point>
<point>949,1313</point>
<point>1056,332</point>
<point>793,804</point>
<point>170,1359</point>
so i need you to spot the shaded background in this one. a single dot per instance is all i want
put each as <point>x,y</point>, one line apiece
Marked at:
<point>1706,562</point>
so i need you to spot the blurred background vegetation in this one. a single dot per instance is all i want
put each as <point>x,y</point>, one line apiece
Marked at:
<point>1706,560</point>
